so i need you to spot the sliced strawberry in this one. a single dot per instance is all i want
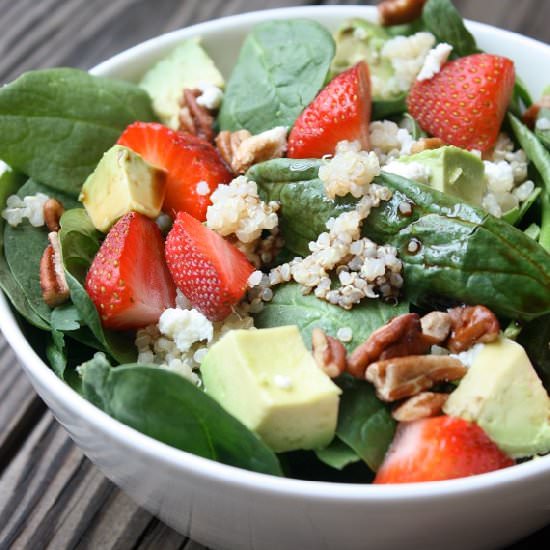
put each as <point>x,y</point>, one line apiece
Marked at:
<point>194,167</point>
<point>465,102</point>
<point>210,271</point>
<point>340,112</point>
<point>128,281</point>
<point>443,447</point>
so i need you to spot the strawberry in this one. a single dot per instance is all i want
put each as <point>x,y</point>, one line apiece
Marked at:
<point>340,112</point>
<point>210,271</point>
<point>194,167</point>
<point>465,102</point>
<point>439,448</point>
<point>128,281</point>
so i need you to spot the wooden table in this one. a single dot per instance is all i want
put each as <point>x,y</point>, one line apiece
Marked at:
<point>51,496</point>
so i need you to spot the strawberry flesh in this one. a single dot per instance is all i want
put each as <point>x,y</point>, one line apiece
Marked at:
<point>439,448</point>
<point>194,167</point>
<point>128,281</point>
<point>341,111</point>
<point>210,271</point>
<point>464,104</point>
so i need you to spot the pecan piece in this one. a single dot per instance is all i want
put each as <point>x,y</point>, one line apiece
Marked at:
<point>401,336</point>
<point>53,210</point>
<point>423,144</point>
<point>405,376</point>
<point>55,290</point>
<point>436,326</point>
<point>397,12</point>
<point>422,405</point>
<point>195,118</point>
<point>228,142</point>
<point>470,325</point>
<point>328,352</point>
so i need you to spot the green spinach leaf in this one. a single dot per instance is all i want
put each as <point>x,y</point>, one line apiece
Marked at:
<point>515,215</point>
<point>385,108</point>
<point>365,423</point>
<point>337,455</point>
<point>290,307</point>
<point>442,19</point>
<point>55,124</point>
<point>56,353</point>
<point>169,408</point>
<point>535,338</point>
<point>281,67</point>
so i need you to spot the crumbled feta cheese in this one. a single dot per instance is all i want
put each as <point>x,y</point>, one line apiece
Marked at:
<point>30,207</point>
<point>542,124</point>
<point>467,357</point>
<point>389,141</point>
<point>185,327</point>
<point>416,171</point>
<point>434,61</point>
<point>524,191</point>
<point>499,176</point>
<point>211,97</point>
<point>349,171</point>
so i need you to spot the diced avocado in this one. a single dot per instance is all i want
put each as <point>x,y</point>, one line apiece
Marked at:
<point>453,171</point>
<point>359,40</point>
<point>269,381</point>
<point>503,394</point>
<point>187,66</point>
<point>122,182</point>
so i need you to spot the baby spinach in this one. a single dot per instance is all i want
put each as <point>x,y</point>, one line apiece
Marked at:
<point>465,254</point>
<point>442,19</point>
<point>385,108</point>
<point>281,67</point>
<point>55,124</point>
<point>169,408</point>
<point>290,307</point>
<point>337,455</point>
<point>535,338</point>
<point>56,352</point>
<point>365,423</point>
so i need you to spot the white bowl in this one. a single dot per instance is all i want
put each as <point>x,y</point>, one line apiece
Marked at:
<point>225,507</point>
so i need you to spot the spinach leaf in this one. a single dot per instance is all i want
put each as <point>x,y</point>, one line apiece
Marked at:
<point>56,353</point>
<point>290,307</point>
<point>533,231</point>
<point>79,240</point>
<point>520,97</point>
<point>540,157</point>
<point>412,126</point>
<point>364,422</point>
<point>337,455</point>
<point>385,108</point>
<point>535,338</point>
<point>442,19</point>
<point>407,29</point>
<point>169,408</point>
<point>515,215</point>
<point>465,254</point>
<point>281,67</point>
<point>65,318</point>
<point>56,123</point>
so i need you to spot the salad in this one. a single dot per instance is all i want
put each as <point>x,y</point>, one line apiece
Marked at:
<point>333,265</point>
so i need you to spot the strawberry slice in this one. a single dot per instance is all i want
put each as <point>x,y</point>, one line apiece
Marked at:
<point>340,112</point>
<point>210,271</point>
<point>194,167</point>
<point>443,447</point>
<point>465,102</point>
<point>128,281</point>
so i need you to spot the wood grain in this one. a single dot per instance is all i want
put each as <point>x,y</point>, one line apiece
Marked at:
<point>51,496</point>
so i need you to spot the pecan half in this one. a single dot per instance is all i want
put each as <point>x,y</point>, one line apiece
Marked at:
<point>529,117</point>
<point>241,150</point>
<point>470,325</point>
<point>195,118</point>
<point>436,326</point>
<point>422,405</point>
<point>400,337</point>
<point>55,290</point>
<point>405,376</point>
<point>397,12</point>
<point>328,352</point>
<point>53,210</point>
<point>423,144</point>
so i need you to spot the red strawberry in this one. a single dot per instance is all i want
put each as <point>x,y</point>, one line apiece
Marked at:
<point>128,281</point>
<point>210,271</point>
<point>188,161</point>
<point>340,111</point>
<point>443,447</point>
<point>465,102</point>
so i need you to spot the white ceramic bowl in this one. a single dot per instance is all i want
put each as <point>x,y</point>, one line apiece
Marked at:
<point>225,507</point>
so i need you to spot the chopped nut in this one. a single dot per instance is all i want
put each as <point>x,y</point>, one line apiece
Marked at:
<point>329,353</point>
<point>423,144</point>
<point>53,210</point>
<point>400,337</point>
<point>529,117</point>
<point>405,376</point>
<point>397,12</point>
<point>195,118</point>
<point>422,405</point>
<point>436,326</point>
<point>54,286</point>
<point>470,325</point>
<point>241,149</point>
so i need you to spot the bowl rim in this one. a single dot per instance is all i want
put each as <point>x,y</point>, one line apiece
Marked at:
<point>190,464</point>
